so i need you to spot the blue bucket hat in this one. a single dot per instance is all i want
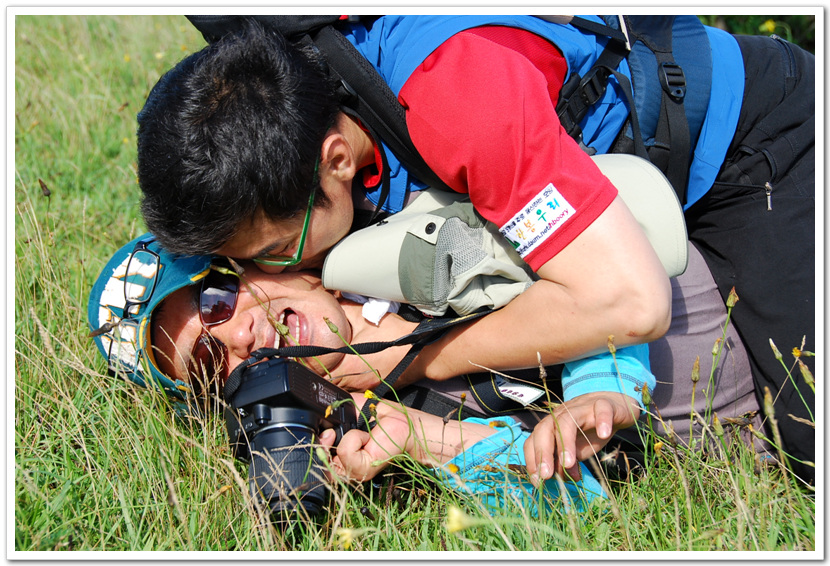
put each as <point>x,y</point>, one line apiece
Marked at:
<point>134,282</point>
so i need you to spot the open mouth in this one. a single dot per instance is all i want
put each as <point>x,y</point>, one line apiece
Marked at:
<point>289,322</point>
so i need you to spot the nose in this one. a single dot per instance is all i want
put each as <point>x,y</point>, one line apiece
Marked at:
<point>238,335</point>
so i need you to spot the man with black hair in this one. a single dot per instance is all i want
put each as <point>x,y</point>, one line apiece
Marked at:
<point>243,151</point>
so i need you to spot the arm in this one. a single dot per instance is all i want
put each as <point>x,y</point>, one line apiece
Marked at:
<point>599,274</point>
<point>607,281</point>
<point>399,430</point>
<point>476,456</point>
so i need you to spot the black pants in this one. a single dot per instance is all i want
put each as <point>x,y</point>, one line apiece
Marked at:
<point>756,229</point>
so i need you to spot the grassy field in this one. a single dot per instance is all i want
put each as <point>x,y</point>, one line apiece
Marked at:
<point>100,465</point>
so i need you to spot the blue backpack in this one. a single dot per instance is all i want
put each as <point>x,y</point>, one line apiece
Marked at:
<point>667,111</point>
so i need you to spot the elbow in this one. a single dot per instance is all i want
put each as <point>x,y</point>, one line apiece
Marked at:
<point>647,316</point>
<point>641,313</point>
<point>652,323</point>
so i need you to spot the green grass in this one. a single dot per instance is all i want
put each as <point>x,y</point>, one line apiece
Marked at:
<point>102,465</point>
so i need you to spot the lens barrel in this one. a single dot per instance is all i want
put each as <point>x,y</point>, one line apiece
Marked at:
<point>285,471</point>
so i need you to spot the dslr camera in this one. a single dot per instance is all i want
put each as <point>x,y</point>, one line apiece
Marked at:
<point>273,419</point>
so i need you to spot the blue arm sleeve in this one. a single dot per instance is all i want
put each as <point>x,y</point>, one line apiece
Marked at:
<point>627,371</point>
<point>493,469</point>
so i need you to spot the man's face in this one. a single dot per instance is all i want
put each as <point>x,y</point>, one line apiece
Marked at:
<point>296,300</point>
<point>264,236</point>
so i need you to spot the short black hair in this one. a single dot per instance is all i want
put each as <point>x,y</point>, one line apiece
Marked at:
<point>230,130</point>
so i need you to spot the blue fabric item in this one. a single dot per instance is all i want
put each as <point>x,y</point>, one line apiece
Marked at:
<point>688,50</point>
<point>396,45</point>
<point>722,117</point>
<point>624,372</point>
<point>482,471</point>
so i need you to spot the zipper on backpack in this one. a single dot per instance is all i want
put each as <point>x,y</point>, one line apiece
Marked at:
<point>768,190</point>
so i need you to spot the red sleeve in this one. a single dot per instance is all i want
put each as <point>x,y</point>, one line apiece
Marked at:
<point>481,110</point>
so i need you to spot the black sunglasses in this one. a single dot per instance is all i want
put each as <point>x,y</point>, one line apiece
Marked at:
<point>217,303</point>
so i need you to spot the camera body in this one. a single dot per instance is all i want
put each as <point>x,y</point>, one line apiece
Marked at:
<point>273,419</point>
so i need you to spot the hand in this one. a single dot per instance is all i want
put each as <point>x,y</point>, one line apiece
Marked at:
<point>362,455</point>
<point>575,431</point>
<point>397,430</point>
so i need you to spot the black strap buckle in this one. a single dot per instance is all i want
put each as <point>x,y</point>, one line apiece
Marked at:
<point>593,85</point>
<point>673,80</point>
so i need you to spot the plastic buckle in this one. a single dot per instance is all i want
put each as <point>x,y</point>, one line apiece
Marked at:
<point>673,80</point>
<point>592,86</point>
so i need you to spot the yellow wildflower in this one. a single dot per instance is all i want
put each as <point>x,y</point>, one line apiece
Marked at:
<point>369,394</point>
<point>127,57</point>
<point>458,520</point>
<point>768,26</point>
<point>345,537</point>
<point>328,412</point>
<point>331,325</point>
<point>452,468</point>
<point>717,426</point>
<point>805,373</point>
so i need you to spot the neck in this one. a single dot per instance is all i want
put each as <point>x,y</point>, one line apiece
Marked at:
<point>355,372</point>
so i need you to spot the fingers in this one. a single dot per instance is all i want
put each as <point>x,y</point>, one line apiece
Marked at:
<point>575,431</point>
<point>355,458</point>
<point>363,455</point>
<point>604,418</point>
<point>551,448</point>
<point>538,451</point>
<point>568,431</point>
<point>327,438</point>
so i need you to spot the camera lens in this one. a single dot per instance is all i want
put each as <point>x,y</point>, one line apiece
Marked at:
<point>285,471</point>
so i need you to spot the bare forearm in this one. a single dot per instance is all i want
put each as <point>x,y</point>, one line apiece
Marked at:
<point>608,281</point>
<point>425,437</point>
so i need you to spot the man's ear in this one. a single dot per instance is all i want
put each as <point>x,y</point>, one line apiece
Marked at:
<point>337,158</point>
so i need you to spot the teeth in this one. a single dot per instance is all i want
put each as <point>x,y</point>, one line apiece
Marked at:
<point>282,330</point>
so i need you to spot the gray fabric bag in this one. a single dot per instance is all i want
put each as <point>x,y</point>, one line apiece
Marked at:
<point>439,253</point>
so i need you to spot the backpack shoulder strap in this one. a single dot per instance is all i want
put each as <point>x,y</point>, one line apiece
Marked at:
<point>672,148</point>
<point>373,101</point>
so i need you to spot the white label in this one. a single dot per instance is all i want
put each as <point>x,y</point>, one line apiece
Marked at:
<point>519,392</point>
<point>538,220</point>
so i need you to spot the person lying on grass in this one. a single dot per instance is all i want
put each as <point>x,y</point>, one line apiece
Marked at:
<point>161,319</point>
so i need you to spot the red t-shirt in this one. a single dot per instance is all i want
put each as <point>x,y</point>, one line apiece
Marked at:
<point>481,111</point>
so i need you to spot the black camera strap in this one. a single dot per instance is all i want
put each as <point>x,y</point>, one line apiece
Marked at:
<point>427,331</point>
